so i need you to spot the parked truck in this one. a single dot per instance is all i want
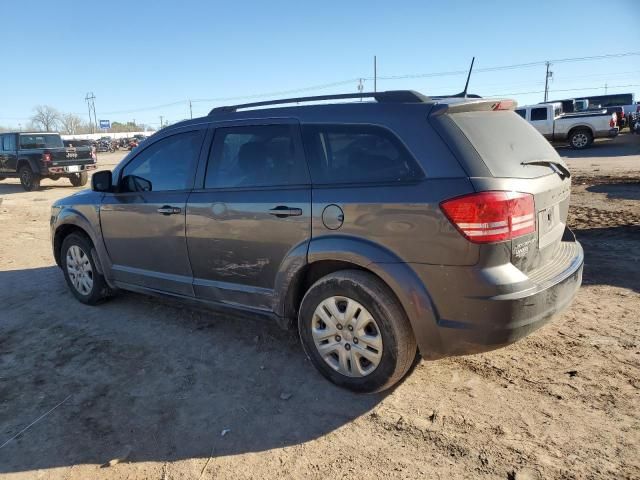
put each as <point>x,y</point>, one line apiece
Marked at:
<point>578,129</point>
<point>31,156</point>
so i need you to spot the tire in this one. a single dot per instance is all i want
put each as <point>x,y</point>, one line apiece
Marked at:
<point>30,181</point>
<point>55,178</point>
<point>3,178</point>
<point>348,361</point>
<point>580,139</point>
<point>87,285</point>
<point>79,179</point>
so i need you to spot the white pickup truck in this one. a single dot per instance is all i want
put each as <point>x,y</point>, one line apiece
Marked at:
<point>579,129</point>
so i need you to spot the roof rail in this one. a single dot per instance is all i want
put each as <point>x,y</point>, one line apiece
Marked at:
<point>391,96</point>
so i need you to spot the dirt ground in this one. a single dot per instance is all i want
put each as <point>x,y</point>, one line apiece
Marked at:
<point>181,394</point>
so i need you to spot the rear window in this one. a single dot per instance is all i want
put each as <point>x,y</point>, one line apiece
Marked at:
<point>40,141</point>
<point>357,154</point>
<point>504,141</point>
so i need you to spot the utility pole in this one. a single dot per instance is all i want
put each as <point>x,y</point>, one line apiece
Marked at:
<point>547,76</point>
<point>605,88</point>
<point>91,105</point>
<point>190,109</point>
<point>375,74</point>
<point>161,117</point>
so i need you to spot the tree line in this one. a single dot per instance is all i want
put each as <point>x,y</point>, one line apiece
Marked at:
<point>48,119</point>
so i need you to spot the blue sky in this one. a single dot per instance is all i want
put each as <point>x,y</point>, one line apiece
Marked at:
<point>136,56</point>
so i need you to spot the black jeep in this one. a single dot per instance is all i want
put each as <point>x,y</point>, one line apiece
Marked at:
<point>32,156</point>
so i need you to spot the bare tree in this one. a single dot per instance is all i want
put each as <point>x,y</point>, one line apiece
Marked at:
<point>71,123</point>
<point>45,118</point>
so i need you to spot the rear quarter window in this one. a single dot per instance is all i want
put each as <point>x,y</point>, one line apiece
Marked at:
<point>504,141</point>
<point>357,154</point>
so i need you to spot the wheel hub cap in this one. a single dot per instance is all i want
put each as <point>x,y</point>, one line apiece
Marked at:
<point>347,336</point>
<point>79,270</point>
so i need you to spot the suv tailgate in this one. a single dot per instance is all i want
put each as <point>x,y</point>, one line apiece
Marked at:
<point>500,150</point>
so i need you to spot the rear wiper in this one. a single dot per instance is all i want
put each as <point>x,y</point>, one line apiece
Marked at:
<point>557,167</point>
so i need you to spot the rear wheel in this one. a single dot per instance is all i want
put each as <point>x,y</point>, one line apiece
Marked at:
<point>79,179</point>
<point>2,178</point>
<point>580,139</point>
<point>80,272</point>
<point>30,181</point>
<point>355,331</point>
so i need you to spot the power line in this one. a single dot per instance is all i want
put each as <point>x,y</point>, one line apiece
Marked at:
<point>375,78</point>
<point>563,90</point>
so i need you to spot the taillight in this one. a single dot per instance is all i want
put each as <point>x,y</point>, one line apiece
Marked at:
<point>487,217</point>
<point>612,122</point>
<point>46,157</point>
<point>504,105</point>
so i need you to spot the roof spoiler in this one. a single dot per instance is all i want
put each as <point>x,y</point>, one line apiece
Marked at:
<point>481,105</point>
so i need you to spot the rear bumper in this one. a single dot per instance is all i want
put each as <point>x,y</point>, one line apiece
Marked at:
<point>472,319</point>
<point>65,169</point>
<point>613,132</point>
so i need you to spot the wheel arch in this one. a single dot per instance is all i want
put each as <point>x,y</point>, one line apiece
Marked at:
<point>331,254</point>
<point>72,221</point>
<point>24,161</point>
<point>581,127</point>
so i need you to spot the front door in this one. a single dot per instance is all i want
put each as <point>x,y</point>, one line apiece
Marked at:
<point>251,218</point>
<point>143,222</point>
<point>8,153</point>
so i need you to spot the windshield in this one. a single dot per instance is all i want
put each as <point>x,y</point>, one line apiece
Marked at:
<point>40,140</point>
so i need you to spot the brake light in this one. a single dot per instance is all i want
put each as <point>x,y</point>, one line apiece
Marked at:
<point>488,217</point>
<point>46,157</point>
<point>504,105</point>
<point>612,122</point>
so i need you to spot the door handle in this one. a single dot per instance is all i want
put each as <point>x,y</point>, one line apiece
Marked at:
<point>169,210</point>
<point>282,211</point>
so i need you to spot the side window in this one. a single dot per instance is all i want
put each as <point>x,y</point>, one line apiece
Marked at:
<point>522,112</point>
<point>256,156</point>
<point>166,165</point>
<point>538,114</point>
<point>9,143</point>
<point>357,154</point>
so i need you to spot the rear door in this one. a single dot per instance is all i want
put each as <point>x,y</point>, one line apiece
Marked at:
<point>143,223</point>
<point>250,218</point>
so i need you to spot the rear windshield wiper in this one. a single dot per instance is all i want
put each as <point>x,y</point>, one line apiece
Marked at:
<point>557,167</point>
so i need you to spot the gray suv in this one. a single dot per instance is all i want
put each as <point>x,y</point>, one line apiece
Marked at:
<point>376,227</point>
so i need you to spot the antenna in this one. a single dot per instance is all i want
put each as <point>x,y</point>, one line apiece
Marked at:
<point>466,85</point>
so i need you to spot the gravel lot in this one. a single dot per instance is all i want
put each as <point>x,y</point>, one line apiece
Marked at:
<point>175,393</point>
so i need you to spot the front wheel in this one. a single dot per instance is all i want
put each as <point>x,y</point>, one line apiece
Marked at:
<point>355,331</point>
<point>79,179</point>
<point>30,181</point>
<point>80,272</point>
<point>580,139</point>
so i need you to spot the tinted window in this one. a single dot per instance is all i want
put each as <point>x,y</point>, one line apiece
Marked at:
<point>504,143</point>
<point>40,141</point>
<point>357,154</point>
<point>522,112</point>
<point>9,143</point>
<point>256,156</point>
<point>166,165</point>
<point>538,114</point>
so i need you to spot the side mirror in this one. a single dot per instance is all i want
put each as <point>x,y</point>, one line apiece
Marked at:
<point>102,181</point>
